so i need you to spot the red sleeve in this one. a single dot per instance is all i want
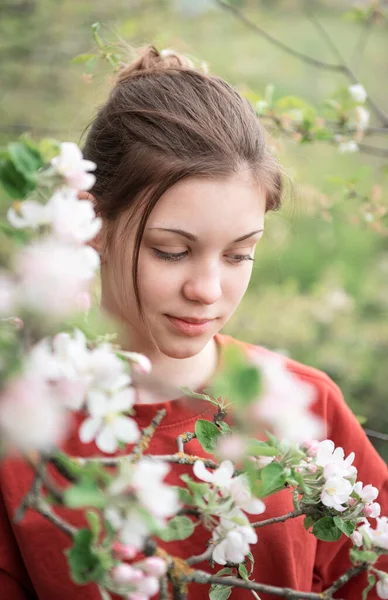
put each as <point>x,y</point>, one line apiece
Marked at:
<point>15,583</point>
<point>332,558</point>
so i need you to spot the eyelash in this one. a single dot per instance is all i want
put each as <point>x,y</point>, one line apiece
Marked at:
<point>171,257</point>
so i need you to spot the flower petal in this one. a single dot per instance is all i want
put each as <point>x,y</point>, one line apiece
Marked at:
<point>122,401</point>
<point>202,472</point>
<point>106,441</point>
<point>125,429</point>
<point>88,430</point>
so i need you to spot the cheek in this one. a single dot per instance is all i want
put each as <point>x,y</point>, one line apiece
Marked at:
<point>236,283</point>
<point>158,281</point>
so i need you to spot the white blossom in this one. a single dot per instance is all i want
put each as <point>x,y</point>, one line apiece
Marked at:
<point>336,491</point>
<point>29,213</point>
<point>221,477</point>
<point>241,495</point>
<point>106,423</point>
<point>362,118</point>
<point>285,401</point>
<point>72,220</point>
<point>382,586</point>
<point>333,462</point>
<point>232,538</point>
<point>30,416</point>
<point>358,92</point>
<point>71,165</point>
<point>8,295</point>
<point>52,274</point>
<point>143,484</point>
<point>379,535</point>
<point>347,147</point>
<point>367,493</point>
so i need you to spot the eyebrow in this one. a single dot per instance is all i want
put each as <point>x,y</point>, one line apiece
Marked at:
<point>194,238</point>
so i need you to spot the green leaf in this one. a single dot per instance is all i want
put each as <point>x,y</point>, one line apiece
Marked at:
<point>90,65</point>
<point>14,183</point>
<point>84,562</point>
<point>252,560</point>
<point>219,592</point>
<point>224,427</point>
<point>179,528</point>
<point>184,496</point>
<point>326,530</point>
<point>243,572</point>
<point>370,586</point>
<point>84,493</point>
<point>93,519</point>
<point>308,522</point>
<point>207,434</point>
<point>345,526</point>
<point>272,479</point>
<point>359,556</point>
<point>26,159</point>
<point>258,448</point>
<point>238,380</point>
<point>82,58</point>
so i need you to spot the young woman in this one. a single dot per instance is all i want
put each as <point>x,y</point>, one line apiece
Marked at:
<point>184,181</point>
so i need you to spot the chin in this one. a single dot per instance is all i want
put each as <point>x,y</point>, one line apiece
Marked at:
<point>183,348</point>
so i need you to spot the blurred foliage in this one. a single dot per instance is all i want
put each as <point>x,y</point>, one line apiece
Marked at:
<point>319,291</point>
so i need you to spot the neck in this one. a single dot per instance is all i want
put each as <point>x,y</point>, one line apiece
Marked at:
<point>194,372</point>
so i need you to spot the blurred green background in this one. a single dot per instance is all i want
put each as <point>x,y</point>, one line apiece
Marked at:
<point>319,292</point>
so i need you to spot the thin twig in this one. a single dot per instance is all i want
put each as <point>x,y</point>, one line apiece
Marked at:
<point>360,47</point>
<point>339,68</point>
<point>163,589</point>
<point>349,574</point>
<point>382,116</point>
<point>194,560</point>
<point>376,434</point>
<point>291,515</point>
<point>146,436</point>
<point>202,577</point>
<point>184,438</point>
<point>178,458</point>
<point>308,59</point>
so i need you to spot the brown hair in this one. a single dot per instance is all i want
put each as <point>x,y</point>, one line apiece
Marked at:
<point>165,121</point>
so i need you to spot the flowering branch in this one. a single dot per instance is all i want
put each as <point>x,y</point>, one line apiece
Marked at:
<point>146,436</point>
<point>291,515</point>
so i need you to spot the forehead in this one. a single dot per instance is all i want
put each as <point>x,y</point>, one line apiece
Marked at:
<point>228,205</point>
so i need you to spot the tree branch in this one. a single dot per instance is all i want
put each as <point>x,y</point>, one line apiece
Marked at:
<point>342,67</point>
<point>178,458</point>
<point>146,436</point>
<point>360,47</point>
<point>349,574</point>
<point>291,515</point>
<point>202,577</point>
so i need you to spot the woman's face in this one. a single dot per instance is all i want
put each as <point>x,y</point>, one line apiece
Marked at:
<point>195,263</point>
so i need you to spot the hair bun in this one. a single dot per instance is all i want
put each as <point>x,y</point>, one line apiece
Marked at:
<point>150,59</point>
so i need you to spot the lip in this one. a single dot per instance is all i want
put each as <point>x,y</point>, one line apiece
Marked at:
<point>190,327</point>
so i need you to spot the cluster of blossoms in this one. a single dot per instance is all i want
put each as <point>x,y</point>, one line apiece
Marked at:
<point>334,477</point>
<point>229,498</point>
<point>359,119</point>
<point>52,275</point>
<point>69,376</point>
<point>285,401</point>
<point>139,502</point>
<point>139,580</point>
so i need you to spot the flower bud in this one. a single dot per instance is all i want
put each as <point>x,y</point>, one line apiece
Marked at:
<point>124,574</point>
<point>148,586</point>
<point>356,538</point>
<point>155,566</point>
<point>124,551</point>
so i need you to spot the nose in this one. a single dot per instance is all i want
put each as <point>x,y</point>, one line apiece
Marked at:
<point>203,284</point>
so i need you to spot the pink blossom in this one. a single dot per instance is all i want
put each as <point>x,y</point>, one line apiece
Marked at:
<point>125,574</point>
<point>124,551</point>
<point>285,401</point>
<point>155,566</point>
<point>356,538</point>
<point>231,447</point>
<point>31,418</point>
<point>71,165</point>
<point>52,275</point>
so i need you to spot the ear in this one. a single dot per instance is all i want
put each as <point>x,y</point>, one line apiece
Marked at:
<point>97,242</point>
